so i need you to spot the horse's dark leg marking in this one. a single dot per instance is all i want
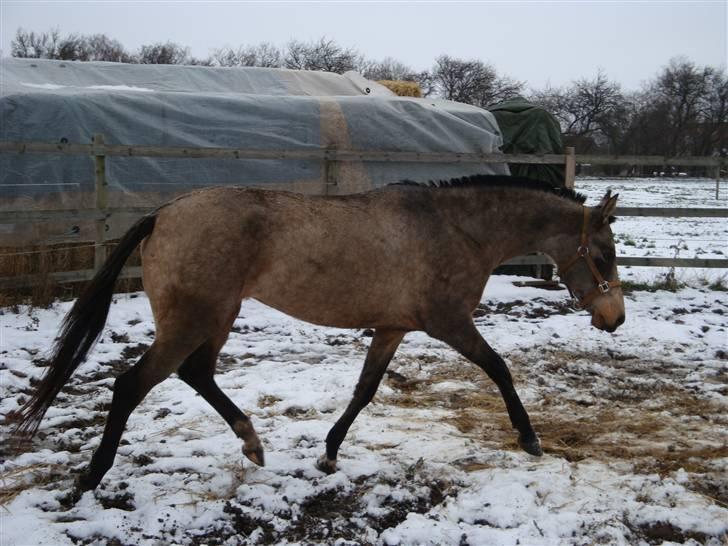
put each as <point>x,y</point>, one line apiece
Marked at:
<point>466,339</point>
<point>198,372</point>
<point>130,388</point>
<point>382,349</point>
<point>127,395</point>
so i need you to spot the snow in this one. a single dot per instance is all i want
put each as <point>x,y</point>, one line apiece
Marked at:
<point>49,86</point>
<point>121,88</point>
<point>633,425</point>
<point>53,86</point>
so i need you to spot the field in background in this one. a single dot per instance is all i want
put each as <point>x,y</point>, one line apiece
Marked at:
<point>666,237</point>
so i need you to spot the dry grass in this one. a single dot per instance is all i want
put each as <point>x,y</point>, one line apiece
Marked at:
<point>46,259</point>
<point>658,433</point>
<point>20,478</point>
<point>268,400</point>
<point>199,426</point>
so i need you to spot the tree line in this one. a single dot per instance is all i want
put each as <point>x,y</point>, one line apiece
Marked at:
<point>681,110</point>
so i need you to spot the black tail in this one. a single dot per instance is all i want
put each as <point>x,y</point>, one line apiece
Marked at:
<point>80,329</point>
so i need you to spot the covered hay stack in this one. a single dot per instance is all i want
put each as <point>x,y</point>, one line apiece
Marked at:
<point>402,88</point>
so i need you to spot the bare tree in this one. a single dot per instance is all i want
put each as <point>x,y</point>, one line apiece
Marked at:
<point>592,112</point>
<point>44,45</point>
<point>472,82</point>
<point>265,55</point>
<point>99,47</point>
<point>73,47</point>
<point>682,111</point>
<point>163,53</point>
<point>683,89</point>
<point>200,61</point>
<point>22,45</point>
<point>648,129</point>
<point>387,69</point>
<point>427,83</point>
<point>323,54</point>
<point>713,111</point>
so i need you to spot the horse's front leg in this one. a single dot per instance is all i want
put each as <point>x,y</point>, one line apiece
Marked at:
<point>382,349</point>
<point>463,336</point>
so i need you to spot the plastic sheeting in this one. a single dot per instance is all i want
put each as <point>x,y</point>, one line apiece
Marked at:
<point>247,108</point>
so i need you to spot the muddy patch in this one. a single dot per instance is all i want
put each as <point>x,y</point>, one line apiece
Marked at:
<point>605,407</point>
<point>538,308</point>
<point>356,513</point>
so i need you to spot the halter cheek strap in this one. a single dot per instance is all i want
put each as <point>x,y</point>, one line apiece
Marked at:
<point>603,286</point>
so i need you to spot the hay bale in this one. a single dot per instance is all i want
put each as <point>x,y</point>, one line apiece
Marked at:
<point>402,88</point>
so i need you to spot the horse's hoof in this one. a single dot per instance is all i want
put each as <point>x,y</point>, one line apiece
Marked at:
<point>326,465</point>
<point>82,484</point>
<point>532,447</point>
<point>70,499</point>
<point>255,455</point>
<point>86,482</point>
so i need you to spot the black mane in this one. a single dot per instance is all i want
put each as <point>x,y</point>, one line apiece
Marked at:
<point>499,181</point>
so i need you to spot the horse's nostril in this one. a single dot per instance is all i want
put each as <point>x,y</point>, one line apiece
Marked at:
<point>620,320</point>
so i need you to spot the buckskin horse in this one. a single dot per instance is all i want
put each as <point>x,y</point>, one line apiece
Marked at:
<point>397,259</point>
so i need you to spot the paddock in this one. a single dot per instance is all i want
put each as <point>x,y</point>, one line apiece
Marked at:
<point>633,425</point>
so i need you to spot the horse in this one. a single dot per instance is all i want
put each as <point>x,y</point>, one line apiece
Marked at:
<point>405,257</point>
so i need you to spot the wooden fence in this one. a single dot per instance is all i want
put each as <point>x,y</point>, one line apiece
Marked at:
<point>103,210</point>
<point>716,163</point>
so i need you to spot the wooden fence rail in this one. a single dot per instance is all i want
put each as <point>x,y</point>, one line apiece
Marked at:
<point>653,160</point>
<point>70,215</point>
<point>628,261</point>
<point>103,210</point>
<point>321,154</point>
<point>332,154</point>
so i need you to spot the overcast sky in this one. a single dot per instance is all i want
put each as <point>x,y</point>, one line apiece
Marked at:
<point>537,42</point>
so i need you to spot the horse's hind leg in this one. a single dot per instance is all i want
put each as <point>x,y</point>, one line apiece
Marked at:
<point>130,388</point>
<point>198,372</point>
<point>382,349</point>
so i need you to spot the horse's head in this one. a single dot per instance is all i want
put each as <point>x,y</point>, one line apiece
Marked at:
<point>590,272</point>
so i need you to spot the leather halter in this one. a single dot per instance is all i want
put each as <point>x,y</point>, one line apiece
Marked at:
<point>603,286</point>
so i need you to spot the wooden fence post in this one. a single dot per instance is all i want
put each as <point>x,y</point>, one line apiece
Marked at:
<point>330,174</point>
<point>102,200</point>
<point>717,182</point>
<point>570,167</point>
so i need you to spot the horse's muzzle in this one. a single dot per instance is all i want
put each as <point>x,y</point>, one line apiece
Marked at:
<point>598,321</point>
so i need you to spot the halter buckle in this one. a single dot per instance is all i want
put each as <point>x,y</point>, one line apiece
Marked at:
<point>604,287</point>
<point>582,251</point>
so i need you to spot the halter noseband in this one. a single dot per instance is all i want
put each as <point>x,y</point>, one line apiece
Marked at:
<point>603,286</point>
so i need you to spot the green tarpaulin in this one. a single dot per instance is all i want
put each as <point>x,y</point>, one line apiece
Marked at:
<point>529,129</point>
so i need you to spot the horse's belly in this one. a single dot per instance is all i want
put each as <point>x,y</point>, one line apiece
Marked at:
<point>337,306</point>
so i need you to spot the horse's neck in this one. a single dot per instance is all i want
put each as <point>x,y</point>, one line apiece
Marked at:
<point>516,222</point>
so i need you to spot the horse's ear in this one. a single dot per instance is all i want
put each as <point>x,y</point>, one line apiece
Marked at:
<point>607,206</point>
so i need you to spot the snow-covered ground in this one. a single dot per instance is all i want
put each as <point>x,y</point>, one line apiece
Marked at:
<point>634,426</point>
